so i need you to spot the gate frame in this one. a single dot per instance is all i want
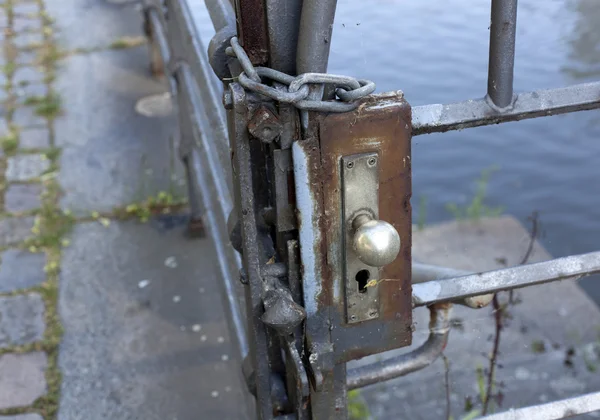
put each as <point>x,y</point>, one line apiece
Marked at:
<point>290,40</point>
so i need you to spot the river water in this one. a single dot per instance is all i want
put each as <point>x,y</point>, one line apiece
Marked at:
<point>436,51</point>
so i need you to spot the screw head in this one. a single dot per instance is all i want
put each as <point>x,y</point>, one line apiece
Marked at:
<point>243,277</point>
<point>264,125</point>
<point>372,161</point>
<point>227,99</point>
<point>350,165</point>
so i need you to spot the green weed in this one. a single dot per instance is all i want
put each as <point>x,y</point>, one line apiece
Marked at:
<point>477,207</point>
<point>10,142</point>
<point>127,42</point>
<point>357,409</point>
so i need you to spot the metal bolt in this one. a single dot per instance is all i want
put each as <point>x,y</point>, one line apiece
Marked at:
<point>264,125</point>
<point>372,161</point>
<point>227,99</point>
<point>243,277</point>
<point>350,165</point>
<point>372,313</point>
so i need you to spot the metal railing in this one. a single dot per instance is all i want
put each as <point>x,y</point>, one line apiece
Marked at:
<point>297,48</point>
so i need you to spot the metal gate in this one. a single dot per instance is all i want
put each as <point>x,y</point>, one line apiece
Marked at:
<point>303,180</point>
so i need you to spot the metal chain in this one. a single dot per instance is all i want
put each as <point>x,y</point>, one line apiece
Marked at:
<point>347,89</point>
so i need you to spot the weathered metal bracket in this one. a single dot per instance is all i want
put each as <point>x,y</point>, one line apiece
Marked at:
<point>379,127</point>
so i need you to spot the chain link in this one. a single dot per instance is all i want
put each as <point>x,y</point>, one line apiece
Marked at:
<point>347,89</point>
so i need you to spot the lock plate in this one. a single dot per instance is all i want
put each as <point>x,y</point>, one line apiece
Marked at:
<point>360,195</point>
<point>380,125</point>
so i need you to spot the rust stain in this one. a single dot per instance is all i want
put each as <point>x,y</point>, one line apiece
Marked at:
<point>252,30</point>
<point>382,125</point>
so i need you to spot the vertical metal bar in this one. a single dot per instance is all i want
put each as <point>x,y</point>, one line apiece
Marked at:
<point>314,41</point>
<point>502,52</point>
<point>283,20</point>
<point>252,29</point>
<point>328,392</point>
<point>221,13</point>
<point>253,258</point>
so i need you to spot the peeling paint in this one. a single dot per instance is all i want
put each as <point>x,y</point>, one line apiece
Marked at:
<point>309,236</point>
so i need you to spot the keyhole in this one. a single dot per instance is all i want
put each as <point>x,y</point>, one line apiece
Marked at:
<point>362,278</point>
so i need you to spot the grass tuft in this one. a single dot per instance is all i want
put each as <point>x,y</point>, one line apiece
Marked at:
<point>477,207</point>
<point>48,106</point>
<point>10,142</point>
<point>127,42</point>
<point>162,203</point>
<point>52,225</point>
<point>8,69</point>
<point>357,408</point>
<point>538,347</point>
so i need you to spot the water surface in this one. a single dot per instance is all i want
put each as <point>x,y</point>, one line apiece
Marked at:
<point>436,52</point>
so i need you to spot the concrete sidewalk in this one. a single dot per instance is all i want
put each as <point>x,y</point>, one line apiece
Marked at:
<point>105,312</point>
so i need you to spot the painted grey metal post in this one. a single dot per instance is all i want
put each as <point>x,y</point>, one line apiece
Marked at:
<point>221,13</point>
<point>314,42</point>
<point>283,19</point>
<point>503,28</point>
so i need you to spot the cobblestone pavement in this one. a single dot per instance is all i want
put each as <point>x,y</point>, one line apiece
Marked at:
<point>122,337</point>
<point>34,227</point>
<point>31,226</point>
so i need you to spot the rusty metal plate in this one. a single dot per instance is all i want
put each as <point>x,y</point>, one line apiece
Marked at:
<point>381,125</point>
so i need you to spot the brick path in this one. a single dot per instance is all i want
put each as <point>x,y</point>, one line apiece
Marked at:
<point>29,331</point>
<point>34,230</point>
<point>73,140</point>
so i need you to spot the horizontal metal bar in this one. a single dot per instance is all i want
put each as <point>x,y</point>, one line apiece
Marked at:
<point>205,114</point>
<point>217,203</point>
<point>221,13</point>
<point>158,33</point>
<point>438,118</point>
<point>503,28</point>
<point>186,45</point>
<point>562,409</point>
<point>458,288</point>
<point>422,273</point>
<point>423,356</point>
